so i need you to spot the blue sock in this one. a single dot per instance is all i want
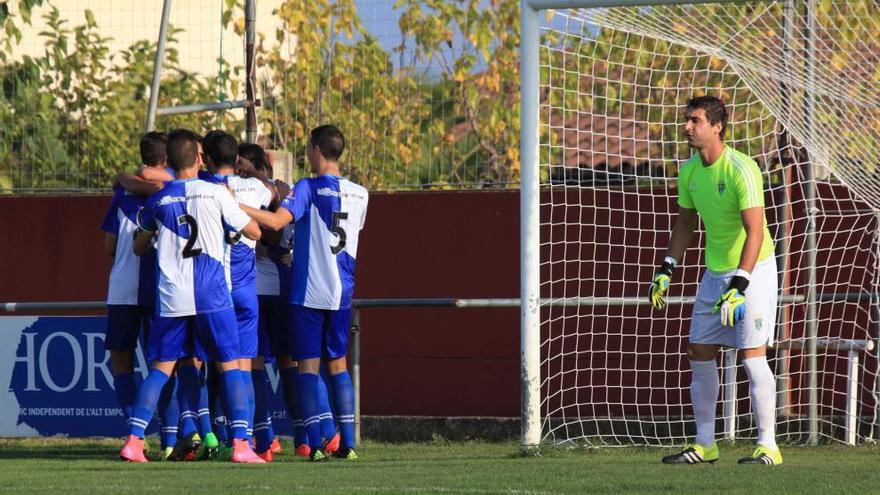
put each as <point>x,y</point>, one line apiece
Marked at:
<point>126,391</point>
<point>204,412</point>
<point>328,427</point>
<point>248,380</point>
<point>288,382</point>
<point>307,393</point>
<point>188,391</point>
<point>236,397</point>
<point>145,404</point>
<point>220,422</point>
<point>214,382</point>
<point>270,430</point>
<point>169,413</point>
<point>343,398</point>
<point>262,422</point>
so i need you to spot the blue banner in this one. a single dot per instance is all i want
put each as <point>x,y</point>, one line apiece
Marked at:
<point>55,378</point>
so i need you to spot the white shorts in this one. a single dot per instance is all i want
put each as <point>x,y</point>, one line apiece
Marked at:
<point>758,325</point>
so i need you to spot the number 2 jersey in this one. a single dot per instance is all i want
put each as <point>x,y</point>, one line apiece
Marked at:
<point>189,216</point>
<point>329,212</point>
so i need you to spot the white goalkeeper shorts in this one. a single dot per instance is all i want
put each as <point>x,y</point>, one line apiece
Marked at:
<point>757,326</point>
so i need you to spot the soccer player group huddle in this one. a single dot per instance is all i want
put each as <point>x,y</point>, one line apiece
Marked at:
<point>220,270</point>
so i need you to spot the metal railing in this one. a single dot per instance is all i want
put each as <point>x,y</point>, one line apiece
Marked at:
<point>851,347</point>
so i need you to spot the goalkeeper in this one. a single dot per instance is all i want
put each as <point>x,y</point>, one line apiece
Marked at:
<point>736,301</point>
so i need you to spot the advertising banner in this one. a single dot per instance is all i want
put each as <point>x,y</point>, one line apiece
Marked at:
<point>56,379</point>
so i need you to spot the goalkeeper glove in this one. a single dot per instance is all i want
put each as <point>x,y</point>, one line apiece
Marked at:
<point>732,304</point>
<point>660,285</point>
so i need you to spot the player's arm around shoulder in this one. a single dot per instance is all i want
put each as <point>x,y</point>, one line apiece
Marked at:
<point>273,220</point>
<point>290,208</point>
<point>142,242</point>
<point>147,227</point>
<point>232,212</point>
<point>145,180</point>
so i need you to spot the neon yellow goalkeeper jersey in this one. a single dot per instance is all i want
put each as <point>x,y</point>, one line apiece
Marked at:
<point>719,193</point>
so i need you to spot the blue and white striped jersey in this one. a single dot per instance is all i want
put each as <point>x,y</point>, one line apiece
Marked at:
<point>242,258</point>
<point>273,276</point>
<point>132,279</point>
<point>190,216</point>
<point>329,212</point>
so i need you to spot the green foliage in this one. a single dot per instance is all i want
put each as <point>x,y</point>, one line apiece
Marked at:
<point>11,31</point>
<point>70,117</point>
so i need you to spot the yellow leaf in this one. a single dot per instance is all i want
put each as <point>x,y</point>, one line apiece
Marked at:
<point>513,156</point>
<point>405,154</point>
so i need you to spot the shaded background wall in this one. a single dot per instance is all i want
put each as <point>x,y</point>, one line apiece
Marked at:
<point>444,362</point>
<point>437,361</point>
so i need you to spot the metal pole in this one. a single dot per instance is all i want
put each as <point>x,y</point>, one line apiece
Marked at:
<point>852,397</point>
<point>729,372</point>
<point>157,67</point>
<point>783,220</point>
<point>355,370</point>
<point>530,283</point>
<point>250,26</point>
<point>202,107</point>
<point>812,330</point>
<point>875,318</point>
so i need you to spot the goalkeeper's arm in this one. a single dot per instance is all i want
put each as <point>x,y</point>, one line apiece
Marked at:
<point>753,223</point>
<point>682,233</point>
<point>732,304</point>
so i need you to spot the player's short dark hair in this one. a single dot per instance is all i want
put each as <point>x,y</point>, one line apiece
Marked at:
<point>330,140</point>
<point>255,154</point>
<point>154,148</point>
<point>183,147</point>
<point>211,135</point>
<point>715,110</point>
<point>221,147</point>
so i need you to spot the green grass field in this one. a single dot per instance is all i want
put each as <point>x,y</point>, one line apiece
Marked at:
<point>90,466</point>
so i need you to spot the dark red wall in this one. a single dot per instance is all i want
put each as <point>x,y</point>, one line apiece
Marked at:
<point>415,245</point>
<point>451,362</point>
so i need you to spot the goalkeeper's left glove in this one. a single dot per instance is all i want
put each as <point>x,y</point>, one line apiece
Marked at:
<point>732,304</point>
<point>660,284</point>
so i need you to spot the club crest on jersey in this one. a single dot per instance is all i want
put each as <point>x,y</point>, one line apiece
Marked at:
<point>720,188</point>
<point>759,322</point>
<point>692,187</point>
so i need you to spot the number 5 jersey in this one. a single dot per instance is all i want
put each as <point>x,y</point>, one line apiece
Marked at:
<point>329,212</point>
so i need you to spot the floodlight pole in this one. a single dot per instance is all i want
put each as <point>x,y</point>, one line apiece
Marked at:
<point>250,23</point>
<point>157,66</point>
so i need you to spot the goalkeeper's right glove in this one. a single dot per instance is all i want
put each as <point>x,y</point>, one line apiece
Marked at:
<point>660,285</point>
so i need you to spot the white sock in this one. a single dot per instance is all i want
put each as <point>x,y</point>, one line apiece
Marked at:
<point>762,388</point>
<point>704,395</point>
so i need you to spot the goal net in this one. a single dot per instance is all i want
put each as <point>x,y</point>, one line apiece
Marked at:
<point>802,86</point>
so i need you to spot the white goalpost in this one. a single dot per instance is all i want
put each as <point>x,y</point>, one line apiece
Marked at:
<point>604,86</point>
